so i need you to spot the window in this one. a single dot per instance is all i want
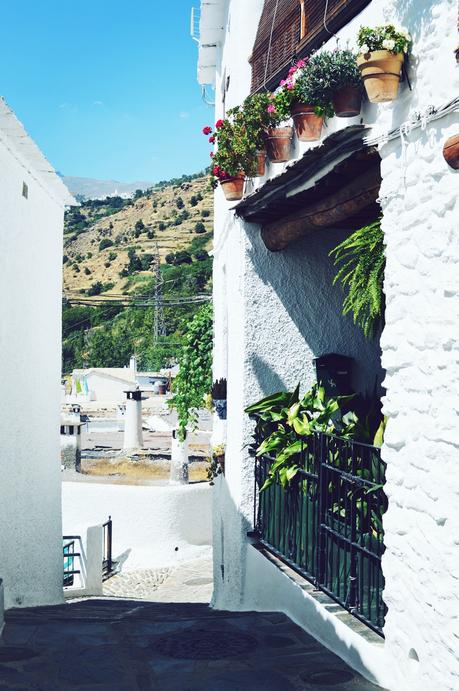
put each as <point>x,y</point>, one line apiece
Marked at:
<point>291,29</point>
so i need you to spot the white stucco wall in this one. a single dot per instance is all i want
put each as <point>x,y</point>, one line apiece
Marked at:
<point>273,312</point>
<point>30,350</point>
<point>107,389</point>
<point>149,522</point>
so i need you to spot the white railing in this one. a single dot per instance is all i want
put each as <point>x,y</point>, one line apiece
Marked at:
<point>195,19</point>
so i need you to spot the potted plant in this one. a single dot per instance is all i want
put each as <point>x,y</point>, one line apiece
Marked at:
<point>382,53</point>
<point>254,116</point>
<point>217,463</point>
<point>276,133</point>
<point>308,89</point>
<point>218,393</point>
<point>345,83</point>
<point>233,157</point>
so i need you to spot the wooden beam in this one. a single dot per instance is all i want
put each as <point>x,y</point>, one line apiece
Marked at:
<point>327,213</point>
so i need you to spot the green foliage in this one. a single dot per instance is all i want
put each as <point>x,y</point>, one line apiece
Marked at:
<point>112,256</point>
<point>179,203</point>
<point>313,87</point>
<point>140,225</point>
<point>361,258</point>
<point>95,289</point>
<point>200,227</point>
<point>65,259</point>
<point>162,225</point>
<point>194,379</point>
<point>205,213</point>
<point>104,243</point>
<point>340,70</point>
<point>87,271</point>
<point>284,421</point>
<point>385,37</point>
<point>193,200</point>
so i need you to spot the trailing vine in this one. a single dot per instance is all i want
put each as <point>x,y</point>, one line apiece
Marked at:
<point>361,258</point>
<point>194,379</point>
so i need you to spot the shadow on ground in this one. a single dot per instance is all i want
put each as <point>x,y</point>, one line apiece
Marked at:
<point>121,645</point>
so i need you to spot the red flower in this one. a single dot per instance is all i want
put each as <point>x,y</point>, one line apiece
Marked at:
<point>216,170</point>
<point>211,154</point>
<point>206,130</point>
<point>219,124</point>
<point>212,140</point>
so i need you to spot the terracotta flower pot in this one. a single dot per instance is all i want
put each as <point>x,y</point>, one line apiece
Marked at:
<point>380,72</point>
<point>279,143</point>
<point>308,125</point>
<point>451,151</point>
<point>347,101</point>
<point>233,188</point>
<point>261,163</point>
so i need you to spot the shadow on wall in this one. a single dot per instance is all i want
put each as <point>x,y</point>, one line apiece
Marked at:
<point>302,278</point>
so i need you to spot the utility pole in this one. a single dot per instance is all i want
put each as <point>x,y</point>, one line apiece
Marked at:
<point>159,330</point>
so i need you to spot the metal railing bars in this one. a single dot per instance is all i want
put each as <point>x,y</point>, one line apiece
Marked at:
<point>327,523</point>
<point>108,563</point>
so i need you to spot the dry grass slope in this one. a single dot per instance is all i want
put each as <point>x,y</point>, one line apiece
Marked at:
<point>157,209</point>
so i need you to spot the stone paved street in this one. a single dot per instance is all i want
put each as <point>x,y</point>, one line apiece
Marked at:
<point>119,645</point>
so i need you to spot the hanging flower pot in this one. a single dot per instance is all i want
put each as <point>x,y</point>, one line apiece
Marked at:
<point>233,188</point>
<point>261,163</point>
<point>308,125</point>
<point>381,72</point>
<point>451,151</point>
<point>347,101</point>
<point>220,407</point>
<point>279,143</point>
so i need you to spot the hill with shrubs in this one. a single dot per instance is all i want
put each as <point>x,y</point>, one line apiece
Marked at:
<point>109,273</point>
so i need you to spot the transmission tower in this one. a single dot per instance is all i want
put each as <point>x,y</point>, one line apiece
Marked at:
<point>159,329</point>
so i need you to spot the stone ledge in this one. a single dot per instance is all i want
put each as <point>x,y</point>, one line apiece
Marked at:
<point>323,599</point>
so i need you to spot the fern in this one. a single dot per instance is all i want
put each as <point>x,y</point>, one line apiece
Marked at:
<point>361,260</point>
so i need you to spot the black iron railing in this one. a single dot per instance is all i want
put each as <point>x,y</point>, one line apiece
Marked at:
<point>327,523</point>
<point>107,563</point>
<point>70,559</point>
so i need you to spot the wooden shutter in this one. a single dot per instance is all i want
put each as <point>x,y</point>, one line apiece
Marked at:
<point>287,43</point>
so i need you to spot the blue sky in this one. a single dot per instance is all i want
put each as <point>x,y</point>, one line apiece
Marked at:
<point>107,88</point>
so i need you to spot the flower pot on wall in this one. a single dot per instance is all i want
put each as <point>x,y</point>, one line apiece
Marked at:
<point>381,72</point>
<point>347,102</point>
<point>279,143</point>
<point>233,188</point>
<point>308,125</point>
<point>261,163</point>
<point>220,407</point>
<point>451,151</point>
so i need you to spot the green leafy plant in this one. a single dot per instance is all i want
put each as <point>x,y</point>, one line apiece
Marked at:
<point>194,379</point>
<point>257,116</point>
<point>341,69</point>
<point>385,37</point>
<point>361,258</point>
<point>216,463</point>
<point>308,83</point>
<point>284,421</point>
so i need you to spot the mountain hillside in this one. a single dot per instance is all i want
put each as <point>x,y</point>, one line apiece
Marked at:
<point>110,274</point>
<point>100,235</point>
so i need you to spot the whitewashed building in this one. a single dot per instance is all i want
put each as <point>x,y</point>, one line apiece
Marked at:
<point>276,311</point>
<point>32,202</point>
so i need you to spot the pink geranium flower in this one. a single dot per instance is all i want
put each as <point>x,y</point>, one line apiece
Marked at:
<point>271,108</point>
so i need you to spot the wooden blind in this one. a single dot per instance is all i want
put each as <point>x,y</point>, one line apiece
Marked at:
<point>286,41</point>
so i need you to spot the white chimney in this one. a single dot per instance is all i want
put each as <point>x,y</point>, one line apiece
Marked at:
<point>133,363</point>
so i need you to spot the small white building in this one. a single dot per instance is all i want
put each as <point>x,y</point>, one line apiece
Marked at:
<point>108,384</point>
<point>277,311</point>
<point>32,203</point>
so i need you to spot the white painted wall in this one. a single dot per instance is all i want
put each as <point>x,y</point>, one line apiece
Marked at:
<point>30,357</point>
<point>107,389</point>
<point>149,523</point>
<point>273,312</point>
